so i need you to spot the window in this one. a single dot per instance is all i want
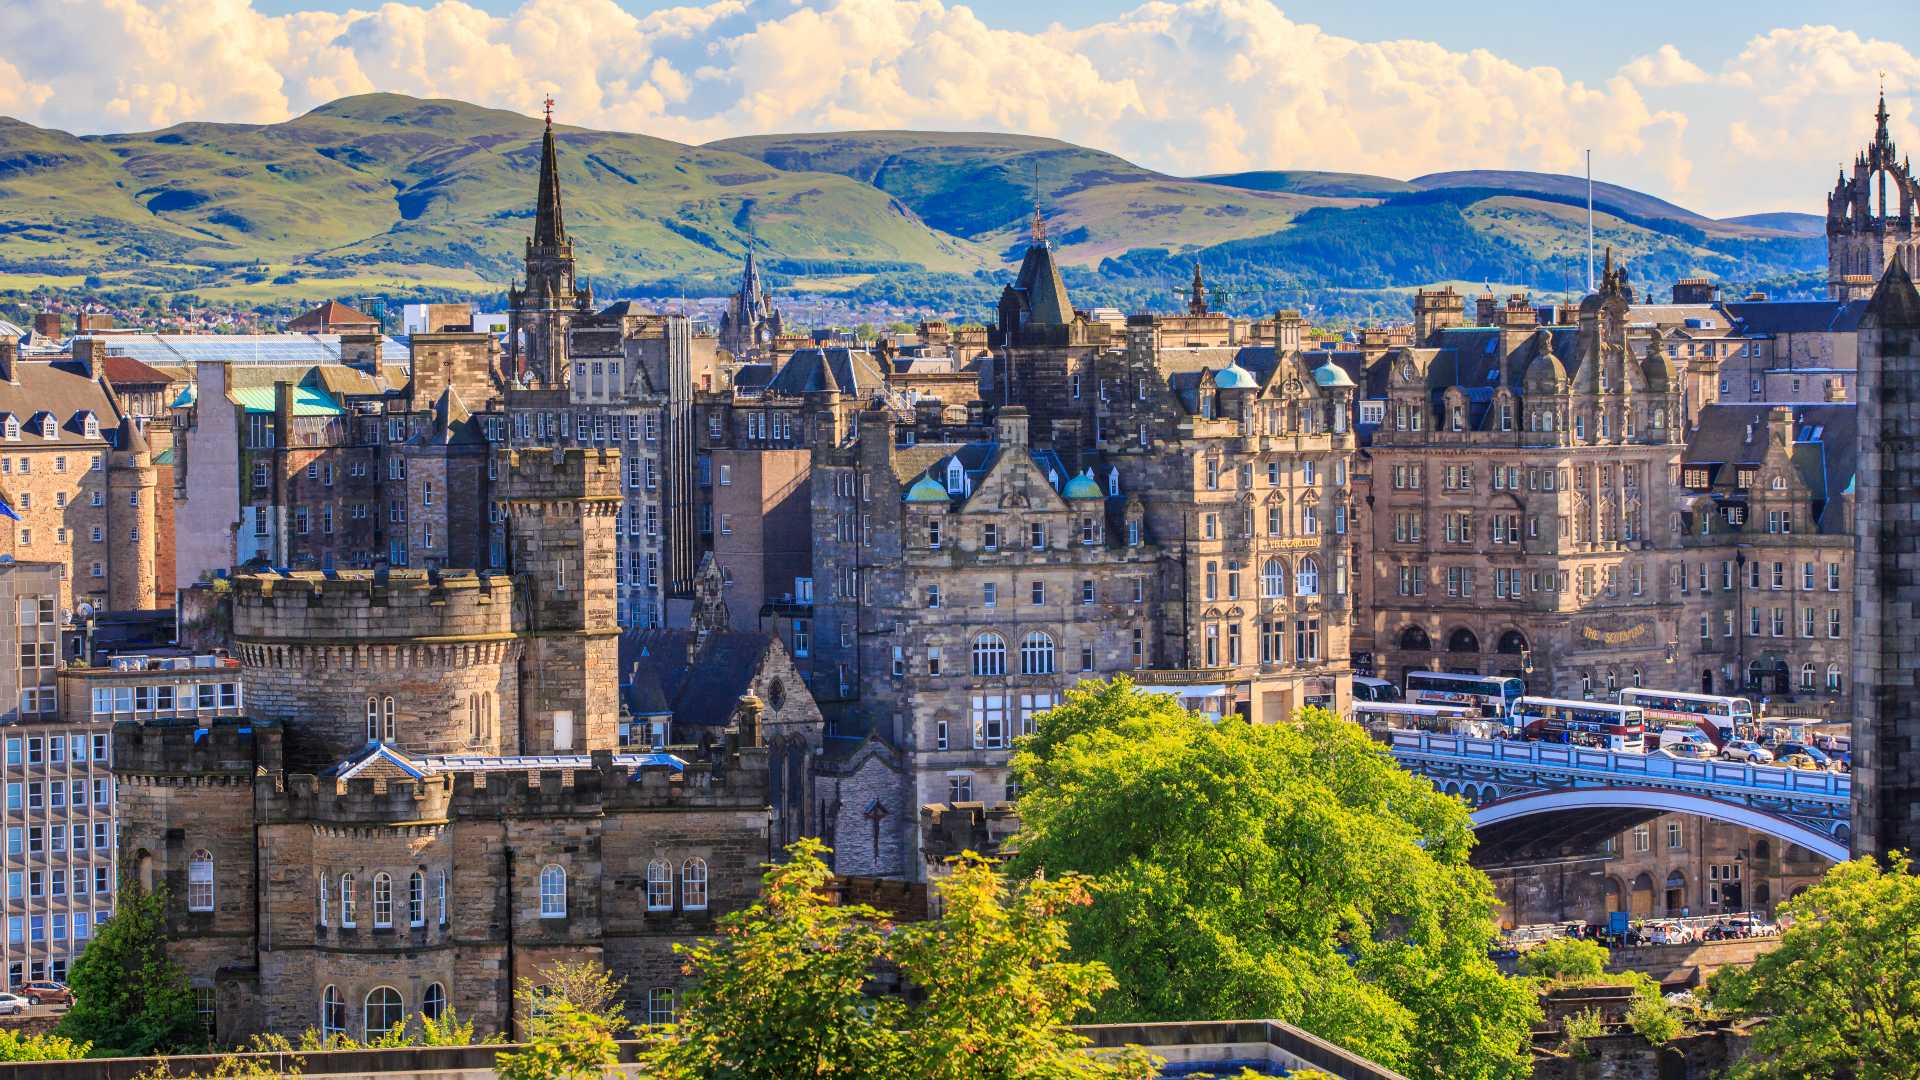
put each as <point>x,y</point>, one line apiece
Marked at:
<point>1833,622</point>
<point>1038,591</point>
<point>333,1013</point>
<point>1036,654</point>
<point>989,594</point>
<point>1833,678</point>
<point>659,885</point>
<point>417,899</point>
<point>1037,536</point>
<point>553,892</point>
<point>433,1004</point>
<point>660,1005</point>
<point>1307,581</point>
<point>384,1012</point>
<point>693,884</point>
<point>200,881</point>
<point>1642,838</point>
<point>1273,578</point>
<point>348,913</point>
<point>989,654</point>
<point>959,787</point>
<point>382,900</point>
<point>1674,838</point>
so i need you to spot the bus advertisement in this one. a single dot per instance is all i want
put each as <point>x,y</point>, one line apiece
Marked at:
<point>1719,718</point>
<point>1592,724</point>
<point>1493,695</point>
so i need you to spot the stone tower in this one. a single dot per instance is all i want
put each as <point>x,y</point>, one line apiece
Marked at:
<point>560,507</point>
<point>132,488</point>
<point>1886,638</point>
<point>1870,217</point>
<point>1197,294</point>
<point>540,312</point>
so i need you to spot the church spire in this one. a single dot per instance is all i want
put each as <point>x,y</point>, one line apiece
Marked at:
<point>549,228</point>
<point>1197,295</point>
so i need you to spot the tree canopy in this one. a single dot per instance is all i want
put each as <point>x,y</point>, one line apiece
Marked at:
<point>782,992</point>
<point>1842,992</point>
<point>1290,871</point>
<point>129,997</point>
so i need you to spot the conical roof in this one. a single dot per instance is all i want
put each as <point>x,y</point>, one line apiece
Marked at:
<point>1895,302</point>
<point>1045,292</point>
<point>549,225</point>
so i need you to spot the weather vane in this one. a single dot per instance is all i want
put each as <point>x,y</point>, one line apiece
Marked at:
<point>549,110</point>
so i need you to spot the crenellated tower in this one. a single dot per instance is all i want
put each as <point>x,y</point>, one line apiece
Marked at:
<point>1870,217</point>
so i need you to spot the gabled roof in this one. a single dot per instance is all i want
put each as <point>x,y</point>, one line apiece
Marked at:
<point>657,678</point>
<point>849,371</point>
<point>125,371</point>
<point>1796,316</point>
<point>61,389</point>
<point>332,314</point>
<point>377,761</point>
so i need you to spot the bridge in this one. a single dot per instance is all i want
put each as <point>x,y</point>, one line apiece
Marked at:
<point>1595,793</point>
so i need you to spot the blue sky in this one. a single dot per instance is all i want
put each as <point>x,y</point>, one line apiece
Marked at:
<point>1726,108</point>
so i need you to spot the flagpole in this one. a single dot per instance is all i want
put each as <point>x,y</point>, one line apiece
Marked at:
<point>1589,219</point>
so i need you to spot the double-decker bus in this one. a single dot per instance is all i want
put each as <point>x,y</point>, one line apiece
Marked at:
<point>1451,719</point>
<point>1594,724</point>
<point>1720,718</point>
<point>1493,695</point>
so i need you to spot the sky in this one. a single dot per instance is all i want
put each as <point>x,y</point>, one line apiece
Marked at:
<point>1727,108</point>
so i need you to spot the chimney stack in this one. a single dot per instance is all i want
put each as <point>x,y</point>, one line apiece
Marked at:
<point>1010,426</point>
<point>10,360</point>
<point>91,355</point>
<point>47,324</point>
<point>1836,389</point>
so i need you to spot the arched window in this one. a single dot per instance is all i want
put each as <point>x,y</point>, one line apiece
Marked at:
<point>989,654</point>
<point>373,719</point>
<point>659,885</point>
<point>333,1013</point>
<point>1307,581</point>
<point>382,900</point>
<point>1636,675</point>
<point>386,718</point>
<point>417,899</point>
<point>440,895</point>
<point>1463,640</point>
<point>553,892</point>
<point>348,914</point>
<point>693,884</point>
<point>1762,850</point>
<point>1036,654</point>
<point>1613,680</point>
<point>384,1012</point>
<point>1273,578</point>
<point>473,718</point>
<point>1414,639</point>
<point>1513,643</point>
<point>660,1005</point>
<point>956,477</point>
<point>200,881</point>
<point>326,908</point>
<point>433,1004</point>
<point>1833,677</point>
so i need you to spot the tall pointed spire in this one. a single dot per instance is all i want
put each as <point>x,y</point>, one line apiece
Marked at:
<point>549,227</point>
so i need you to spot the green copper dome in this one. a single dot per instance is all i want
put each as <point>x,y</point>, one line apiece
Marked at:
<point>1233,377</point>
<point>926,490</point>
<point>1331,375</point>
<point>1083,486</point>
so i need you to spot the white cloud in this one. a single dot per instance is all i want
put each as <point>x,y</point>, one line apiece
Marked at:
<point>1190,86</point>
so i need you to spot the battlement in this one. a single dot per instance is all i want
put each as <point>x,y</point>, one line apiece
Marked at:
<point>231,747</point>
<point>358,606</point>
<point>735,780</point>
<point>542,474</point>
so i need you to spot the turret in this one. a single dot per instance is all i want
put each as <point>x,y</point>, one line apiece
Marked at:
<point>132,520</point>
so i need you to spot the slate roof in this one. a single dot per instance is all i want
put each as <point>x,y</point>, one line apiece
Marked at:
<point>1042,291</point>
<point>850,371</point>
<point>1797,316</point>
<point>656,677</point>
<point>1825,447</point>
<point>62,389</point>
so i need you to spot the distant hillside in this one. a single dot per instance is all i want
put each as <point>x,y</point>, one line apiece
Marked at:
<point>400,196</point>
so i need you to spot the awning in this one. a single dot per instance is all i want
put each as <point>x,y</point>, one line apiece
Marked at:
<point>1203,690</point>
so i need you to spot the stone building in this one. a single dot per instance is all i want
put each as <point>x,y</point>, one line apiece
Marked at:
<point>1519,480</point>
<point>540,311</point>
<point>1870,217</point>
<point>1886,664</point>
<point>425,802</point>
<point>78,479</point>
<point>750,325</point>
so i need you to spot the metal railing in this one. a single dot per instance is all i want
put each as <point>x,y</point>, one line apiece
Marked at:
<point>1616,765</point>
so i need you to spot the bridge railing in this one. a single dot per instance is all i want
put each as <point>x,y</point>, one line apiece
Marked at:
<point>1653,768</point>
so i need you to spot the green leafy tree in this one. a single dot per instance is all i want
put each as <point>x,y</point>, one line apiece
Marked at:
<point>781,992</point>
<point>1289,870</point>
<point>1652,1018</point>
<point>17,1045</point>
<point>1565,960</point>
<point>570,1045</point>
<point>586,985</point>
<point>1841,994</point>
<point>129,998</point>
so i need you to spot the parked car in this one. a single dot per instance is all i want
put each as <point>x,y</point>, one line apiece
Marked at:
<point>1748,751</point>
<point>1797,761</point>
<point>1665,933</point>
<point>48,993</point>
<point>1783,750</point>
<point>11,1004</point>
<point>1688,749</point>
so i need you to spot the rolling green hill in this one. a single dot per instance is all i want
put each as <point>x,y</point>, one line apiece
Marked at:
<point>403,196</point>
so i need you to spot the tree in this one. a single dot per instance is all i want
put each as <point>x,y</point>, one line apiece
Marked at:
<point>1564,960</point>
<point>20,1046</point>
<point>571,1045</point>
<point>1842,992</point>
<point>586,985</point>
<point>129,998</point>
<point>781,992</point>
<point>996,993</point>
<point>1289,871</point>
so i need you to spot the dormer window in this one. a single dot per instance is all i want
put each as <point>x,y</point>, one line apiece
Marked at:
<point>956,477</point>
<point>90,425</point>
<point>49,429</point>
<point>1113,481</point>
<point>13,428</point>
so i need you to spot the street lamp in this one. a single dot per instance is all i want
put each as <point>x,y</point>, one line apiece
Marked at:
<point>1526,661</point>
<point>1673,650</point>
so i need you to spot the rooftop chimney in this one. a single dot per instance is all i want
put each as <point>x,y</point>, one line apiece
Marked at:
<point>48,324</point>
<point>1836,389</point>
<point>10,360</point>
<point>1010,426</point>
<point>90,354</point>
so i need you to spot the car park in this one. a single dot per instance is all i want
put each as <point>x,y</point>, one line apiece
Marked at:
<point>1748,751</point>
